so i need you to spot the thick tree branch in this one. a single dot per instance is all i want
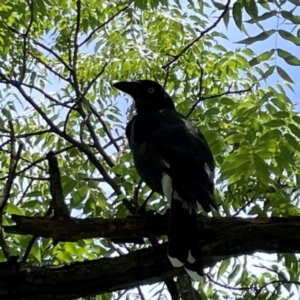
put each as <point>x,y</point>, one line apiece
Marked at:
<point>221,238</point>
<point>267,234</point>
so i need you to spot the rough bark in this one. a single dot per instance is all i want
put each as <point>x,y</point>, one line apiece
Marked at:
<point>220,238</point>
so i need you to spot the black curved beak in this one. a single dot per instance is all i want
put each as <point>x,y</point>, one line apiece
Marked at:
<point>131,88</point>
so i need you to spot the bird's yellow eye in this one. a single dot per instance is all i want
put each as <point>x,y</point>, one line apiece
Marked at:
<point>151,90</point>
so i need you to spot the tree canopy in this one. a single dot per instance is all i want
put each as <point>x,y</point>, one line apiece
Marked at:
<point>73,217</point>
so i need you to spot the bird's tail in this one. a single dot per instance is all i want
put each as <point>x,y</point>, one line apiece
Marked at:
<point>184,248</point>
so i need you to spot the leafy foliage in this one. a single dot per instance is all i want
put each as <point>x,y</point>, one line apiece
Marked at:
<point>58,60</point>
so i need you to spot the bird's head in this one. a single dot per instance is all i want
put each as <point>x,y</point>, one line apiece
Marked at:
<point>147,94</point>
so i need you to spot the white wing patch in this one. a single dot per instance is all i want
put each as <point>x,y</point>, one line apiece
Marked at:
<point>177,197</point>
<point>175,262</point>
<point>209,172</point>
<point>166,163</point>
<point>194,275</point>
<point>166,183</point>
<point>190,258</point>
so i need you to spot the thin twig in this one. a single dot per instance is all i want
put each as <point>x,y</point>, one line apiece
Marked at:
<point>228,92</point>
<point>227,286</point>
<point>73,107</point>
<point>141,293</point>
<point>275,282</point>
<point>68,138</point>
<point>94,79</point>
<point>114,142</point>
<point>103,24</point>
<point>166,78</point>
<point>271,270</point>
<point>35,177</point>
<point>49,68</point>
<point>106,130</point>
<point>53,53</point>
<point>33,164</point>
<point>100,179</point>
<point>245,205</point>
<point>142,208</point>
<point>25,192</point>
<point>94,136</point>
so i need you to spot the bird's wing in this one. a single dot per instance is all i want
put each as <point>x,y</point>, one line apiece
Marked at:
<point>188,156</point>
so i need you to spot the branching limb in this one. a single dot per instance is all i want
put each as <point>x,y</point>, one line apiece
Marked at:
<point>228,92</point>
<point>58,201</point>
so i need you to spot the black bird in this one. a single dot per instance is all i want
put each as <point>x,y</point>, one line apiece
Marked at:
<point>173,158</point>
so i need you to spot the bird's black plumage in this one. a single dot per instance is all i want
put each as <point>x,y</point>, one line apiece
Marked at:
<point>173,158</point>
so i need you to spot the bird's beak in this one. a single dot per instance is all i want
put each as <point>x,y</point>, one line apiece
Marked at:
<point>131,88</point>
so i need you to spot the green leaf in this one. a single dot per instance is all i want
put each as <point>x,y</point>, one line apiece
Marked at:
<point>280,104</point>
<point>36,193</point>
<point>226,18</point>
<point>295,130</point>
<point>284,75</point>
<point>263,17</point>
<point>262,170</point>
<point>288,57</point>
<point>237,14</point>
<point>68,184</point>
<point>142,4</point>
<point>234,273</point>
<point>223,267</point>
<point>251,8</point>
<point>234,161</point>
<point>289,37</point>
<point>14,209</point>
<point>290,16</point>
<point>218,5</point>
<point>287,155</point>
<point>217,148</point>
<point>234,138</point>
<point>292,141</point>
<point>36,252</point>
<point>227,101</point>
<point>281,114</point>
<point>6,113</point>
<point>260,37</point>
<point>295,2</point>
<point>275,123</point>
<point>296,119</point>
<point>212,111</point>
<point>262,57</point>
<point>269,72</point>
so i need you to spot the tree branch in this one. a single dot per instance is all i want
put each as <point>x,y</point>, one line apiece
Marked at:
<point>275,234</point>
<point>221,238</point>
<point>58,200</point>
